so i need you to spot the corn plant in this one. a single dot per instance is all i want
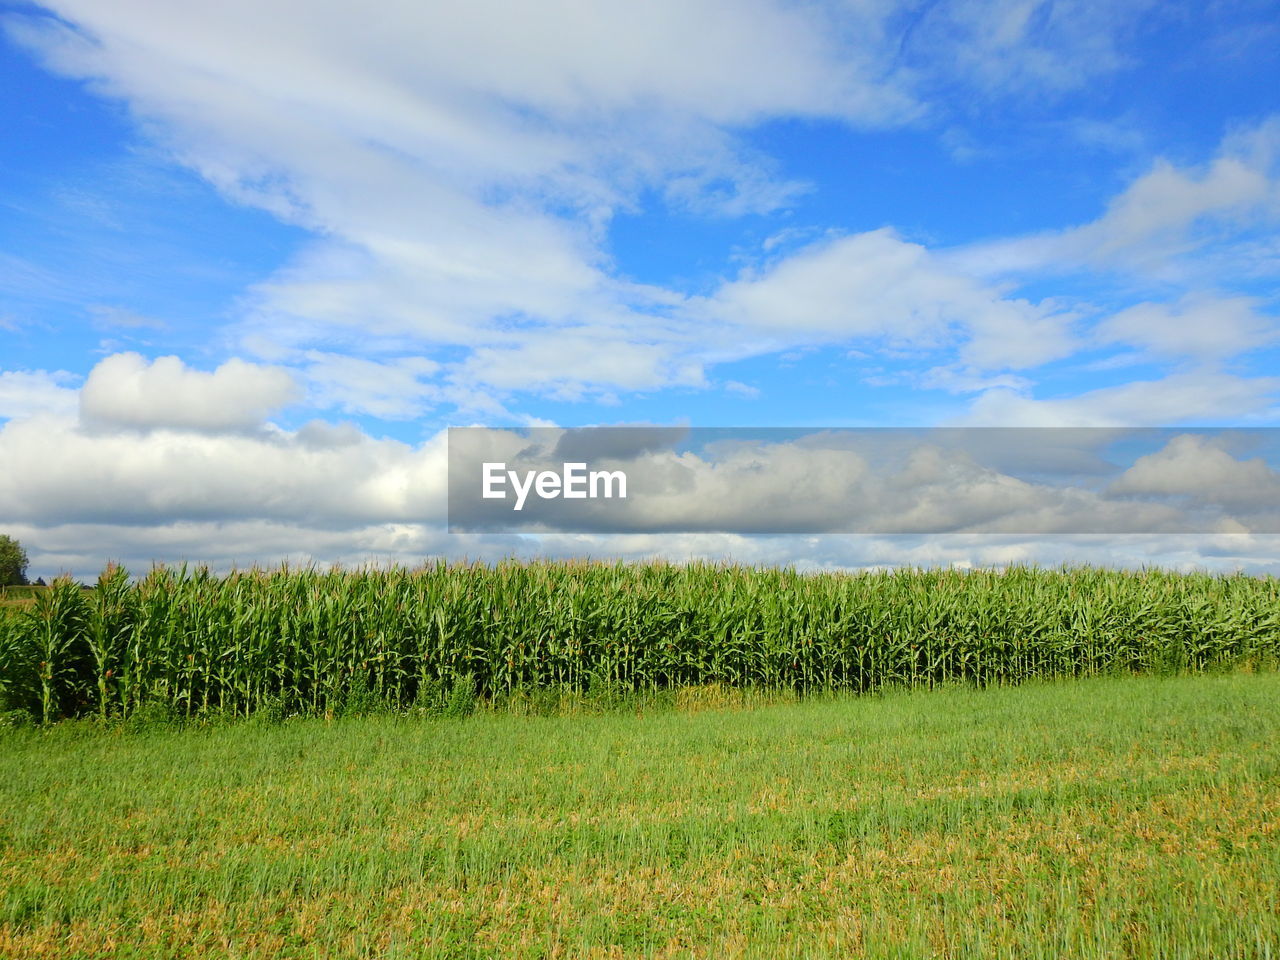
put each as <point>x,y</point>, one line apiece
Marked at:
<point>56,631</point>
<point>309,640</point>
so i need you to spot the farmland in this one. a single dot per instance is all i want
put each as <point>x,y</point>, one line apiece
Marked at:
<point>14,599</point>
<point>189,644</point>
<point>578,759</point>
<point>1104,817</point>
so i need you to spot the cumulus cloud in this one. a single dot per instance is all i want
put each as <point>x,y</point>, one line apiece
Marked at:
<point>82,494</point>
<point>124,390</point>
<point>1198,467</point>
<point>949,481</point>
<point>324,475</point>
<point>326,478</point>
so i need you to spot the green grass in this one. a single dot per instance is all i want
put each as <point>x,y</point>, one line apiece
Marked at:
<point>1108,817</point>
<point>16,599</point>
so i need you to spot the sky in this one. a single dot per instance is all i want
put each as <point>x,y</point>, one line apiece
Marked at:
<point>256,257</point>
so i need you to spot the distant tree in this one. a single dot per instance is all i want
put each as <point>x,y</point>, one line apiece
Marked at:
<point>13,563</point>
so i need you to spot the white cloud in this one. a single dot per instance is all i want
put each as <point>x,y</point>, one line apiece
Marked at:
<point>1166,213</point>
<point>391,389</point>
<point>573,361</point>
<point>1197,395</point>
<point>877,286</point>
<point>461,161</point>
<point>1152,216</point>
<point>1188,230</point>
<point>1198,466</point>
<point>1197,326</point>
<point>459,164</point>
<point>325,476</point>
<point>785,487</point>
<point>332,493</point>
<point>26,393</point>
<point>1016,47</point>
<point>1001,481</point>
<point>124,390</point>
<point>960,379</point>
<point>335,477</point>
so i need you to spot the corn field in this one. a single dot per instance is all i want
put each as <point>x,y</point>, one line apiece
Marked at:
<point>308,640</point>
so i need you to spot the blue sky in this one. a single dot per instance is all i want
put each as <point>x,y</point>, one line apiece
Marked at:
<point>248,237</point>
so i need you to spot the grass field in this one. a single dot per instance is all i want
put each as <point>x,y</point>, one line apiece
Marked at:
<point>16,599</point>
<point>1107,817</point>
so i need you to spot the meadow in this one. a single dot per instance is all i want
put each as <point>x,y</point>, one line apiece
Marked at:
<point>1106,817</point>
<point>188,644</point>
<point>16,599</point>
